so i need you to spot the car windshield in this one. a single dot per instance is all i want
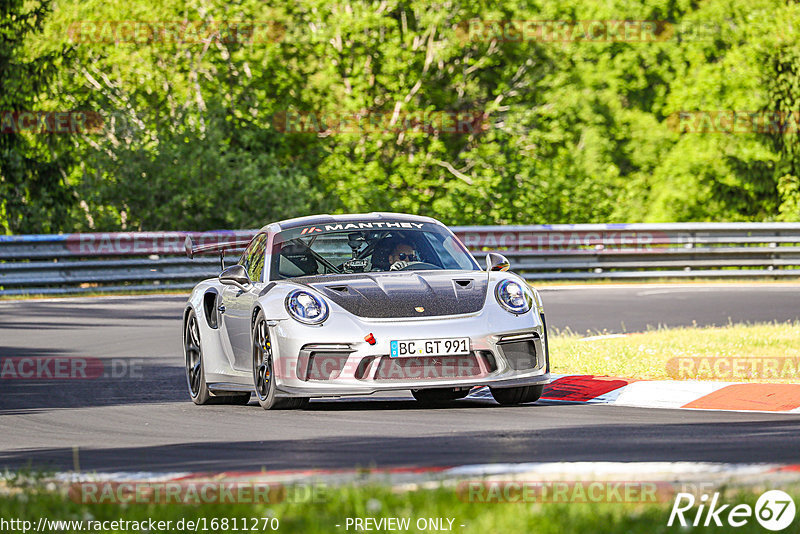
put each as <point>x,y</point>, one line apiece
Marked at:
<point>366,247</point>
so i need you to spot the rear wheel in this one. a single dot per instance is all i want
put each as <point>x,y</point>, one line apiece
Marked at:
<point>521,395</point>
<point>263,376</point>
<point>439,394</point>
<point>195,375</point>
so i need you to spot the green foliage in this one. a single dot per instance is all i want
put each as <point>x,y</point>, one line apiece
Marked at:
<point>783,83</point>
<point>34,196</point>
<point>574,132</point>
<point>789,189</point>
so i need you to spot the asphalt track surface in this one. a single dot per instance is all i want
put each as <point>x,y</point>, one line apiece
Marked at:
<point>144,421</point>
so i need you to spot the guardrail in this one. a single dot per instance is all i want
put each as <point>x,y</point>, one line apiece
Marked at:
<point>56,264</point>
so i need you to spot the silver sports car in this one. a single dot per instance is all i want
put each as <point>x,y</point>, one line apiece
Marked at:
<point>329,306</point>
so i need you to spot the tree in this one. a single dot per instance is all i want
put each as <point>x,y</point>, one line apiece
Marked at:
<point>34,195</point>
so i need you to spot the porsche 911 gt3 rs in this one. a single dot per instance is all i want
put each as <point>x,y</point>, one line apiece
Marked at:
<point>330,306</point>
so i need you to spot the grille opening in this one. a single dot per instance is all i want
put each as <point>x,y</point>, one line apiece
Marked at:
<point>489,360</point>
<point>520,354</point>
<point>363,367</point>
<point>321,365</point>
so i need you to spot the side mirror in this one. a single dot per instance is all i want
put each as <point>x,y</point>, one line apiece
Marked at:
<point>496,262</point>
<point>235,275</point>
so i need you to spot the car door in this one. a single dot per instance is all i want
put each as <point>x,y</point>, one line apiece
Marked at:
<point>238,304</point>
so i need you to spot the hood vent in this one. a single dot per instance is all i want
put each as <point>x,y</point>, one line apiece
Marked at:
<point>340,289</point>
<point>416,294</point>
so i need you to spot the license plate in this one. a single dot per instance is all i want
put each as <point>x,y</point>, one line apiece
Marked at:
<point>429,347</point>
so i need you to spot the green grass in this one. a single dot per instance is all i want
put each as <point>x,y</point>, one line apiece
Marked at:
<point>335,505</point>
<point>646,355</point>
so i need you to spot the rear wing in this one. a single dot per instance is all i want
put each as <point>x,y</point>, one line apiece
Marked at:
<point>192,249</point>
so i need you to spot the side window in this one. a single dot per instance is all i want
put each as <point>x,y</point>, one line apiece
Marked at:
<point>253,258</point>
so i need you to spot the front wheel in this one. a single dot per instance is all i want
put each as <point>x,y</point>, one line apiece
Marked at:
<point>521,395</point>
<point>263,375</point>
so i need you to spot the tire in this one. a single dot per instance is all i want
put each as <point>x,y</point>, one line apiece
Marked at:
<point>521,395</point>
<point>440,394</point>
<point>263,379</point>
<point>193,353</point>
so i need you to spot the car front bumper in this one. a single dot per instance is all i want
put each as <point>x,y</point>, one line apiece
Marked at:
<point>335,360</point>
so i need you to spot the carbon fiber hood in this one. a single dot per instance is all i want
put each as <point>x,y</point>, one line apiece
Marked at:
<point>387,295</point>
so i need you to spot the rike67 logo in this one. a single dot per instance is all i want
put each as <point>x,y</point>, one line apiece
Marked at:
<point>774,510</point>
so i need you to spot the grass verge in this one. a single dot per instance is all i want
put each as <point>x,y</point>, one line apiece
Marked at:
<point>736,352</point>
<point>331,512</point>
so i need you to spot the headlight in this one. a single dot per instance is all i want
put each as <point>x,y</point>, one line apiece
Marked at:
<point>305,307</point>
<point>513,297</point>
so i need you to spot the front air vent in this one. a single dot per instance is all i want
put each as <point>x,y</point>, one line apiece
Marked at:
<point>521,351</point>
<point>326,365</point>
<point>322,361</point>
<point>489,359</point>
<point>363,367</point>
